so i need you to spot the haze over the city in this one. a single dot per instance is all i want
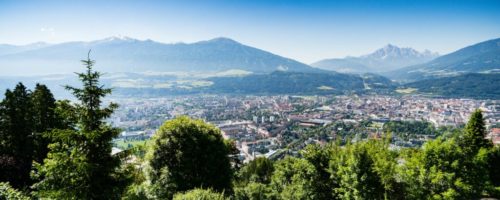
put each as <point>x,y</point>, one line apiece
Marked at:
<point>306,31</point>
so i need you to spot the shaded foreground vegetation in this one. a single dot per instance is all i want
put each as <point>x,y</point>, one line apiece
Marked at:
<point>62,150</point>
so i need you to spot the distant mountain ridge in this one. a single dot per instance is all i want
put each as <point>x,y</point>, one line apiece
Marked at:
<point>482,57</point>
<point>387,58</point>
<point>10,49</point>
<point>124,54</point>
<point>473,85</point>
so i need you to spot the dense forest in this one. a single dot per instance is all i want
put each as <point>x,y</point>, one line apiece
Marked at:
<point>480,86</point>
<point>278,82</point>
<point>57,149</point>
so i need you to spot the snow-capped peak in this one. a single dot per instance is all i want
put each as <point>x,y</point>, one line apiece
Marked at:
<point>391,51</point>
<point>120,37</point>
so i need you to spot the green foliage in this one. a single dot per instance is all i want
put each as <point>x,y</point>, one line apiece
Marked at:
<point>494,169</point>
<point>65,112</point>
<point>476,154</point>
<point>258,170</point>
<point>253,180</point>
<point>45,119</point>
<point>409,129</point>
<point>137,190</point>
<point>71,146</point>
<point>358,174</point>
<point>320,158</point>
<point>89,111</point>
<point>66,172</point>
<point>483,86</point>
<point>199,194</point>
<point>79,164</point>
<point>475,133</point>
<point>16,143</point>
<point>294,178</point>
<point>441,170</point>
<point>187,154</point>
<point>451,168</point>
<point>9,193</point>
<point>288,83</point>
<point>253,191</point>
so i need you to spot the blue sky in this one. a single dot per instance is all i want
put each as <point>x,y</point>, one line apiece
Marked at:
<point>303,30</point>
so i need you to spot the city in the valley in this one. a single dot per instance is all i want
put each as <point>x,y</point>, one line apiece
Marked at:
<point>275,126</point>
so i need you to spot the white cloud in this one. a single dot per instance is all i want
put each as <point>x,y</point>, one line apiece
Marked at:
<point>51,31</point>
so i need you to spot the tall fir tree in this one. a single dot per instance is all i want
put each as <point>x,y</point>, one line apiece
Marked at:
<point>16,141</point>
<point>475,133</point>
<point>475,148</point>
<point>80,164</point>
<point>45,119</point>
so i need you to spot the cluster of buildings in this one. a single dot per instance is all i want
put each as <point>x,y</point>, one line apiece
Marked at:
<point>270,125</point>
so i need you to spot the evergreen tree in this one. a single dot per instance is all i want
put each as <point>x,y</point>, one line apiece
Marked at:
<point>475,133</point>
<point>79,164</point>
<point>16,141</point>
<point>45,119</point>
<point>65,113</point>
<point>475,147</point>
<point>494,169</point>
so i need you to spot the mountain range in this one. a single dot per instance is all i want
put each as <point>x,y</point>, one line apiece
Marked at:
<point>385,59</point>
<point>222,65</point>
<point>123,54</point>
<point>483,57</point>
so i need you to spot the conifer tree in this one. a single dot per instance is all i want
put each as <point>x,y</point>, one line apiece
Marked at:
<point>79,164</point>
<point>476,148</point>
<point>45,119</point>
<point>475,133</point>
<point>16,141</point>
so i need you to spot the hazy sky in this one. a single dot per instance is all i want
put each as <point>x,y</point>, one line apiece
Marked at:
<point>303,30</point>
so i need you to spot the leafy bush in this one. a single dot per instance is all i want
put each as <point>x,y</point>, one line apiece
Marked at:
<point>199,194</point>
<point>9,193</point>
<point>187,154</point>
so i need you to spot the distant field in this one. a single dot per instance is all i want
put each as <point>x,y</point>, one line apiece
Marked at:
<point>323,87</point>
<point>127,144</point>
<point>406,90</point>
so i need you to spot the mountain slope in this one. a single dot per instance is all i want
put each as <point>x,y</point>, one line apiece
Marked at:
<point>130,55</point>
<point>343,65</point>
<point>288,83</point>
<point>480,57</point>
<point>11,49</point>
<point>468,85</point>
<point>278,82</point>
<point>387,58</point>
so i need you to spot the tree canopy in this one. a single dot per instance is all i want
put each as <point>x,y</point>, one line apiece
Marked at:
<point>188,154</point>
<point>79,164</point>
